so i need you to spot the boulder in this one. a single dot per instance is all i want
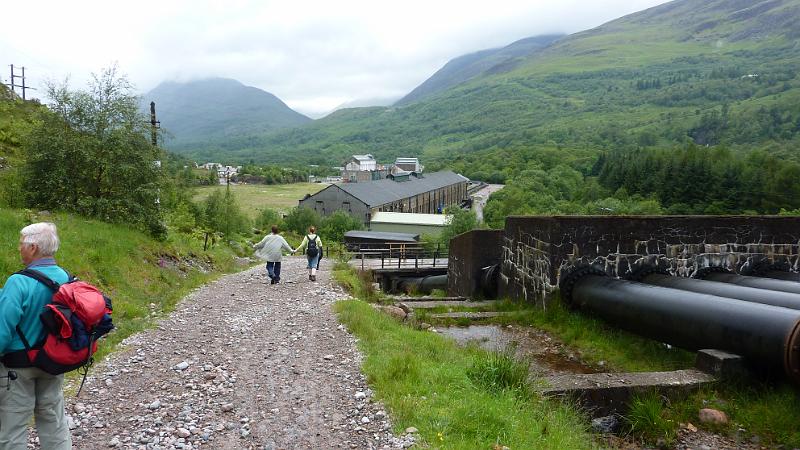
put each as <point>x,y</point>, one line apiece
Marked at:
<point>713,416</point>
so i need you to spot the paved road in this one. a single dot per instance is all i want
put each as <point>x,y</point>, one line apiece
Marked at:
<point>482,196</point>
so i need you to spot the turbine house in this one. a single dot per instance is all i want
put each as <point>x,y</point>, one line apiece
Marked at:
<point>430,193</point>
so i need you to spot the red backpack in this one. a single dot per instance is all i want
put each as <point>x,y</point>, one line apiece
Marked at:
<point>78,316</point>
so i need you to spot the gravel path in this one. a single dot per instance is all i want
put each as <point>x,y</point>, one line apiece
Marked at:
<point>241,364</point>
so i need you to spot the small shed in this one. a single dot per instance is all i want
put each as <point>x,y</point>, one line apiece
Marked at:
<point>396,222</point>
<point>364,240</point>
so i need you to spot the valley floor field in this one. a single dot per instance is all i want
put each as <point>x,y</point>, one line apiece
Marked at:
<point>255,197</point>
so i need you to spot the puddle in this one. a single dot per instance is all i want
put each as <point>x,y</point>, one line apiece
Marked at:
<point>547,355</point>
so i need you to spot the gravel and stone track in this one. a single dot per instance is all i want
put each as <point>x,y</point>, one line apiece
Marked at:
<point>240,364</point>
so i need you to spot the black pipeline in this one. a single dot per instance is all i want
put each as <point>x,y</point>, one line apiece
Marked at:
<point>754,282</point>
<point>781,275</point>
<point>748,294</point>
<point>765,335</point>
<point>423,285</point>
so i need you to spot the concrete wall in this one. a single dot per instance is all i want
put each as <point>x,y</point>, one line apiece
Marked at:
<point>469,252</point>
<point>537,250</point>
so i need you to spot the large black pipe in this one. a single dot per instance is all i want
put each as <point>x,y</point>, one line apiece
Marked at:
<point>748,294</point>
<point>765,335</point>
<point>423,285</point>
<point>781,275</point>
<point>754,282</point>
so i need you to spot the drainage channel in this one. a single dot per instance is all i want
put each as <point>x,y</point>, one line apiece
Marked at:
<point>547,356</point>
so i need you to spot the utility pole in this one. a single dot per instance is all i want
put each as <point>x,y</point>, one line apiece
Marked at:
<point>154,124</point>
<point>14,85</point>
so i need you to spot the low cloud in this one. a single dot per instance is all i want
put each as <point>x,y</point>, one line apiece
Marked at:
<point>313,55</point>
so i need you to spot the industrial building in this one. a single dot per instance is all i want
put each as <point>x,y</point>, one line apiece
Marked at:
<point>363,168</point>
<point>397,222</point>
<point>429,193</point>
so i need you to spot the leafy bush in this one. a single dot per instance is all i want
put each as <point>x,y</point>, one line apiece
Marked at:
<point>300,219</point>
<point>182,218</point>
<point>221,213</point>
<point>91,155</point>
<point>337,224</point>
<point>268,217</point>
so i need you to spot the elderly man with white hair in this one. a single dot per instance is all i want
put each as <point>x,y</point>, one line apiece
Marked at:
<point>33,392</point>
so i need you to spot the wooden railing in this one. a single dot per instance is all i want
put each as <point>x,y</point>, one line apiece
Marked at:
<point>400,256</point>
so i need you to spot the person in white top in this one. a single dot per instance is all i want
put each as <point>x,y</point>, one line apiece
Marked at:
<point>269,249</point>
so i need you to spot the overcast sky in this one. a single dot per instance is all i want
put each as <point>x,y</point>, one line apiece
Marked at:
<point>314,55</point>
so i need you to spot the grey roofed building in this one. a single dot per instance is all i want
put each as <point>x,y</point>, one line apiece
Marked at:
<point>381,192</point>
<point>431,193</point>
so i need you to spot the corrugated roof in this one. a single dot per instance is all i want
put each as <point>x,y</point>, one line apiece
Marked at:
<point>410,218</point>
<point>382,236</point>
<point>380,192</point>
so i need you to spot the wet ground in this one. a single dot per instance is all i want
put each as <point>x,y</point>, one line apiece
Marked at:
<point>547,356</point>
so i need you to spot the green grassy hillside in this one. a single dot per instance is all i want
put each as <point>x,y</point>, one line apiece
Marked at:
<point>143,277</point>
<point>709,72</point>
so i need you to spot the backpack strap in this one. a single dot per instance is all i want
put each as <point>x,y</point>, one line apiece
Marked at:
<point>40,277</point>
<point>44,279</point>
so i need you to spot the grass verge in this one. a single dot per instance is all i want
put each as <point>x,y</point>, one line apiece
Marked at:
<point>457,397</point>
<point>144,278</point>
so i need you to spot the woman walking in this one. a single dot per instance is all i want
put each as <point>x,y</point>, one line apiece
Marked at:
<point>312,245</point>
<point>269,249</point>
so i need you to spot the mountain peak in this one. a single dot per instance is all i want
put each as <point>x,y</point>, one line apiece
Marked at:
<point>208,109</point>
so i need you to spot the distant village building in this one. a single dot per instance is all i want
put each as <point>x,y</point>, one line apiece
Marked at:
<point>227,174</point>
<point>416,193</point>
<point>407,164</point>
<point>362,163</point>
<point>363,168</point>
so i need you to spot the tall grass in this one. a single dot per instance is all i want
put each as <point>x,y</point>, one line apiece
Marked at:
<point>647,418</point>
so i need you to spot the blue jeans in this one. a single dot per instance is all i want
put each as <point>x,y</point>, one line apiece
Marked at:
<point>313,261</point>
<point>274,271</point>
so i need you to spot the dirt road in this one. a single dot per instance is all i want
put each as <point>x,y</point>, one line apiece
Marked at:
<point>240,364</point>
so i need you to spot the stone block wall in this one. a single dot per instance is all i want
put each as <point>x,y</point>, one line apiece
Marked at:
<point>536,251</point>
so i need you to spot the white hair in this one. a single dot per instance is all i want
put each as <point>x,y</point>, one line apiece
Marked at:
<point>44,235</point>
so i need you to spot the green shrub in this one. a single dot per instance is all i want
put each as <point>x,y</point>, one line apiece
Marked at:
<point>337,224</point>
<point>300,219</point>
<point>268,217</point>
<point>221,213</point>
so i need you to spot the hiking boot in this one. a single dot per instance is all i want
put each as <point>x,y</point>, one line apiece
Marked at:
<point>313,278</point>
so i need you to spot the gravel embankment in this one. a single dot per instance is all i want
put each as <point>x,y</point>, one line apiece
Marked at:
<point>241,364</point>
